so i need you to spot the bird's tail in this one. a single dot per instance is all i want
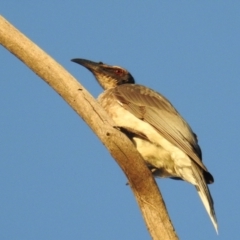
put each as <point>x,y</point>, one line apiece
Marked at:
<point>205,195</point>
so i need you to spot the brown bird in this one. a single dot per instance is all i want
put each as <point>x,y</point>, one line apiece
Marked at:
<point>163,138</point>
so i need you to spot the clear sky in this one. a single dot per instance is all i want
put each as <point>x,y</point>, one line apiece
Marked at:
<point>57,180</point>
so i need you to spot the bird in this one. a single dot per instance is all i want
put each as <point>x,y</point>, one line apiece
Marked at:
<point>164,139</point>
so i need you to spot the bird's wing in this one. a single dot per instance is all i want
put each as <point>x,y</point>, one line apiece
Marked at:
<point>153,108</point>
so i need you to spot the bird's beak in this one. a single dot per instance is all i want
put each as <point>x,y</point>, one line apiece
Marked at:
<point>92,66</point>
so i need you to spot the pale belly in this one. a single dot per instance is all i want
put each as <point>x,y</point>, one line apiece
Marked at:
<point>157,157</point>
<point>157,152</point>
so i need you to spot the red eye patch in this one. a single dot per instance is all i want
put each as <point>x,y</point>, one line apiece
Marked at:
<point>119,71</point>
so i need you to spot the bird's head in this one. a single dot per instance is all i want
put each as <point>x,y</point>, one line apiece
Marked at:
<point>107,76</point>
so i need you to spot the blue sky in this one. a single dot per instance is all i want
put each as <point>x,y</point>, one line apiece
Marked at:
<point>57,181</point>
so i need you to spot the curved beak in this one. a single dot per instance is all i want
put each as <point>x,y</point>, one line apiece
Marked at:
<point>92,66</point>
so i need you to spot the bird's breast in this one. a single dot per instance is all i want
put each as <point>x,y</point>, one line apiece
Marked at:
<point>124,118</point>
<point>155,149</point>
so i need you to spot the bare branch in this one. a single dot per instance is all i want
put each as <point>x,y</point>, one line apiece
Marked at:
<point>121,148</point>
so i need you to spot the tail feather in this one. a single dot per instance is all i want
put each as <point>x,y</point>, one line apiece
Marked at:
<point>205,195</point>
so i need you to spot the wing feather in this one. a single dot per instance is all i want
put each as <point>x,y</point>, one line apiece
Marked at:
<point>156,110</point>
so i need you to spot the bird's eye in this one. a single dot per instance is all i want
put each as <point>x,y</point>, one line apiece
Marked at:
<point>119,71</point>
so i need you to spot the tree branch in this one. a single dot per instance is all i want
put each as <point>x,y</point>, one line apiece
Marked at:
<point>120,147</point>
